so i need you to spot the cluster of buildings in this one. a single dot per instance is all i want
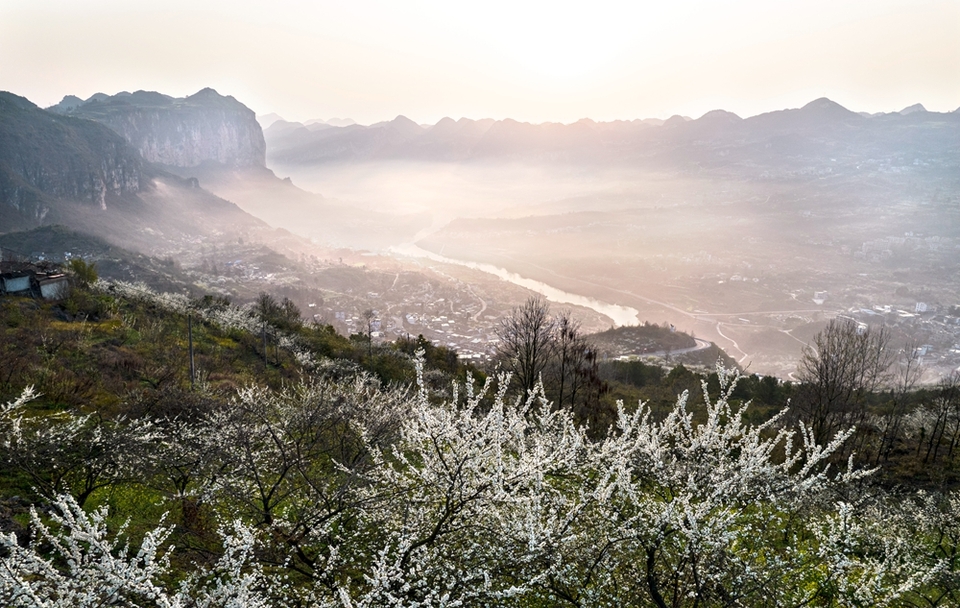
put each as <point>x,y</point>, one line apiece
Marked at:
<point>933,331</point>
<point>19,276</point>
<point>454,329</point>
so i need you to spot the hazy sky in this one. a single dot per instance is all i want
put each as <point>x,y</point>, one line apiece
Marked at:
<point>536,61</point>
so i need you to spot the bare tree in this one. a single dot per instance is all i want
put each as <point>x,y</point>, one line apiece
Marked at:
<point>940,418</point>
<point>907,374</point>
<point>527,341</point>
<point>369,316</point>
<point>949,390</point>
<point>843,365</point>
<point>571,350</point>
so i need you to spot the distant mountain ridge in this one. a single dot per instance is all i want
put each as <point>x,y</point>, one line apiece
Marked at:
<point>178,132</point>
<point>821,127</point>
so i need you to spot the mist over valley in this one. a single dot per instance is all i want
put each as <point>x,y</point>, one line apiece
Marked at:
<point>750,233</point>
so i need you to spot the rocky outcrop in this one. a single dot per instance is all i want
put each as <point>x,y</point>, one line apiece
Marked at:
<point>179,132</point>
<point>44,156</point>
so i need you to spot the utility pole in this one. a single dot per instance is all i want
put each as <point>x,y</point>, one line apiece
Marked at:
<point>264,344</point>
<point>193,369</point>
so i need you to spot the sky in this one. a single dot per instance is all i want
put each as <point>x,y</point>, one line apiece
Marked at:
<point>372,60</point>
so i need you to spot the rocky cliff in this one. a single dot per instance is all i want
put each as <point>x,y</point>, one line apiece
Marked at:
<point>178,132</point>
<point>44,156</point>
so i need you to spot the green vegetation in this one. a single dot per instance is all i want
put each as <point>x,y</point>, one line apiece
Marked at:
<point>94,349</point>
<point>324,470</point>
<point>642,339</point>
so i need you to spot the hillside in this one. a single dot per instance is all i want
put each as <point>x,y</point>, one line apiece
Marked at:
<point>326,221</point>
<point>44,158</point>
<point>58,244</point>
<point>124,345</point>
<point>65,170</point>
<point>180,132</point>
<point>121,466</point>
<point>646,339</point>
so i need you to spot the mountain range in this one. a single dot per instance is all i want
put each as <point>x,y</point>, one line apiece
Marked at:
<point>718,138</point>
<point>180,132</point>
<point>61,168</point>
<point>671,217</point>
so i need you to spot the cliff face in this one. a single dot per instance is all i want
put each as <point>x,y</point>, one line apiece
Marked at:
<point>181,132</point>
<point>44,156</point>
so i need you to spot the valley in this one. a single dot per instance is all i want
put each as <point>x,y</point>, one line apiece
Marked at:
<point>748,233</point>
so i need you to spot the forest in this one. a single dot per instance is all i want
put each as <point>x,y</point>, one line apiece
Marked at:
<point>166,451</point>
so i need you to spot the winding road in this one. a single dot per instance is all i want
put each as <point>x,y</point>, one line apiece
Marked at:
<point>701,345</point>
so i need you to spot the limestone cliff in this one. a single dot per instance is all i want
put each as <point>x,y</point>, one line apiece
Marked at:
<point>179,132</point>
<point>44,157</point>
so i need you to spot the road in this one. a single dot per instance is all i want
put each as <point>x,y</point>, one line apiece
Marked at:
<point>733,342</point>
<point>483,304</point>
<point>701,345</point>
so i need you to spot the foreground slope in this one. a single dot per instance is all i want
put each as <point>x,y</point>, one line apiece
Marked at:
<point>342,490</point>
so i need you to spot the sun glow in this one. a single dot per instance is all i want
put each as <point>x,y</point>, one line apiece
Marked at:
<point>528,60</point>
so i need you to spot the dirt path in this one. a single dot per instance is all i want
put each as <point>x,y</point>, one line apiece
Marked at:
<point>733,342</point>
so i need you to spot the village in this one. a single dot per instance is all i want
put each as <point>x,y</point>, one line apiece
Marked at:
<point>359,293</point>
<point>931,334</point>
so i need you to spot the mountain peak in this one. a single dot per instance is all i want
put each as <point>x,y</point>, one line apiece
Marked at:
<point>70,101</point>
<point>404,125</point>
<point>207,92</point>
<point>13,100</point>
<point>917,107</point>
<point>826,106</point>
<point>181,132</point>
<point>720,116</point>
<point>266,120</point>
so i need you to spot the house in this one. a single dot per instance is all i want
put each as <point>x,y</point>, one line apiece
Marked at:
<point>15,282</point>
<point>39,280</point>
<point>53,286</point>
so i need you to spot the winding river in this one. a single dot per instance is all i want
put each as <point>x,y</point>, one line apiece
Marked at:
<point>621,315</point>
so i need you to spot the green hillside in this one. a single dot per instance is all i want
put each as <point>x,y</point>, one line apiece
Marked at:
<point>295,466</point>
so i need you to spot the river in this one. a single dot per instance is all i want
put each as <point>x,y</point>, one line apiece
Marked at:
<point>621,315</point>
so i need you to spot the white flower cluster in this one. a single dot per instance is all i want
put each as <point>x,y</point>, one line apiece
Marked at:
<point>74,562</point>
<point>371,497</point>
<point>227,317</point>
<point>87,451</point>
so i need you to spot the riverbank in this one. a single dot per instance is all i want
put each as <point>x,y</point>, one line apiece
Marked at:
<point>620,315</point>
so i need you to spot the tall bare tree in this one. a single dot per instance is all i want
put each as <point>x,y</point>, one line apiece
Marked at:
<point>571,350</point>
<point>907,373</point>
<point>838,370</point>
<point>526,344</point>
